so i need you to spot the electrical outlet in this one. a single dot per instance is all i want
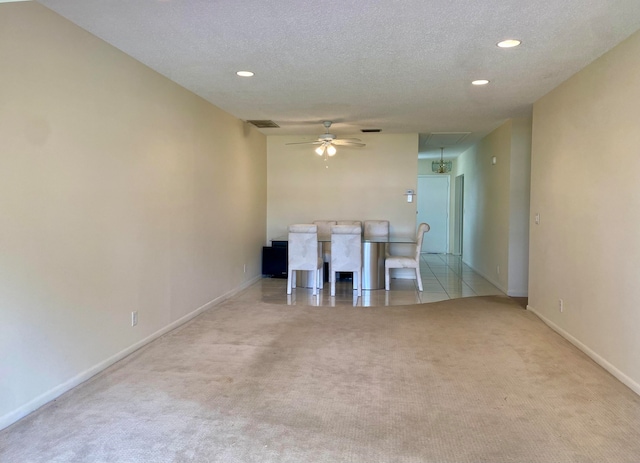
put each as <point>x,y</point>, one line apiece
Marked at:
<point>561,305</point>
<point>498,269</point>
<point>134,318</point>
<point>537,219</point>
<point>244,268</point>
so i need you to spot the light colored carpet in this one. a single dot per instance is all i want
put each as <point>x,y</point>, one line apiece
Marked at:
<point>467,380</point>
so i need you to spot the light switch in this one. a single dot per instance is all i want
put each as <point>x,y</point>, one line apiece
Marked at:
<point>537,218</point>
<point>409,194</point>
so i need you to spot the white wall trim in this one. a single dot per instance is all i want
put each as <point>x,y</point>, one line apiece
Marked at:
<point>624,379</point>
<point>9,418</point>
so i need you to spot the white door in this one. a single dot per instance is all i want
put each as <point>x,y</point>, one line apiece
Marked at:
<point>433,208</point>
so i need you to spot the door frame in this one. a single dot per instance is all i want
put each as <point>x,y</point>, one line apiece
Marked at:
<point>458,216</point>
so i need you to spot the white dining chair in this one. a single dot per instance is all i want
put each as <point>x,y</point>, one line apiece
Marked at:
<point>407,262</point>
<point>376,228</point>
<point>303,255</point>
<point>324,229</point>
<point>350,222</point>
<point>346,254</point>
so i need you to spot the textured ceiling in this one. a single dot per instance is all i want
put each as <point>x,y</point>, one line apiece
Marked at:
<point>398,65</point>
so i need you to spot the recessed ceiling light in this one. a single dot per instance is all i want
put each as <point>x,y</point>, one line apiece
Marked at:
<point>509,43</point>
<point>480,82</point>
<point>245,73</point>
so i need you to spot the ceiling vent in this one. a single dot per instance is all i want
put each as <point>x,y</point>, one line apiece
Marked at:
<point>264,124</point>
<point>370,130</point>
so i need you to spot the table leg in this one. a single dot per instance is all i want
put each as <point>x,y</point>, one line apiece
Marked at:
<point>373,255</point>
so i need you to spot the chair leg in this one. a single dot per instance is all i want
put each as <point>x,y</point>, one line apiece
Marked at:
<point>315,282</point>
<point>360,282</point>
<point>386,278</point>
<point>419,278</point>
<point>289,277</point>
<point>333,283</point>
<point>321,277</point>
<point>293,279</point>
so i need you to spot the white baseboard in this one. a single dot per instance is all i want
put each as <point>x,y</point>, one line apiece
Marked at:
<point>624,379</point>
<point>9,418</point>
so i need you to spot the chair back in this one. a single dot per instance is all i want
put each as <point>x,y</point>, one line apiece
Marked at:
<point>376,228</point>
<point>350,222</point>
<point>324,230</point>
<point>422,229</point>
<point>346,248</point>
<point>324,226</point>
<point>303,247</point>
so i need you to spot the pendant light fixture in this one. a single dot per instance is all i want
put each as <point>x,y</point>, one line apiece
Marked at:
<point>441,167</point>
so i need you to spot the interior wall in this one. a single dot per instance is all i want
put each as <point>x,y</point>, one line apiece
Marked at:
<point>584,185</point>
<point>496,205</point>
<point>356,184</point>
<point>486,204</point>
<point>519,199</point>
<point>119,191</point>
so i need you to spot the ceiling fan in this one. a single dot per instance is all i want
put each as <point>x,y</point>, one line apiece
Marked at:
<point>327,142</point>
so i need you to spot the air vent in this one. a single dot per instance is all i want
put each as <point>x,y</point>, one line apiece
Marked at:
<point>264,124</point>
<point>370,130</point>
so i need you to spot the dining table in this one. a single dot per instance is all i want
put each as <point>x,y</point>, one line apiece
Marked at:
<point>374,251</point>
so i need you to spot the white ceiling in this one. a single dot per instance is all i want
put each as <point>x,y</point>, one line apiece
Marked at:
<point>397,65</point>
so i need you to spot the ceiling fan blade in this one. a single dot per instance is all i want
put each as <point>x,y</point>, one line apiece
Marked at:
<point>347,143</point>
<point>350,139</point>
<point>317,142</point>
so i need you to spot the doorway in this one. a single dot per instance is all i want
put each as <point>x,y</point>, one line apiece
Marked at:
<point>433,208</point>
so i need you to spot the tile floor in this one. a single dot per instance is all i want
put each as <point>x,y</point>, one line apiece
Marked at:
<point>444,276</point>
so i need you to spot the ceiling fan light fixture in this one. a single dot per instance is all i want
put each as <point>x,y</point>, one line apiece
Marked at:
<point>325,142</point>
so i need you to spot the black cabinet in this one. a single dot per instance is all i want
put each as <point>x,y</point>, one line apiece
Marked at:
<point>274,260</point>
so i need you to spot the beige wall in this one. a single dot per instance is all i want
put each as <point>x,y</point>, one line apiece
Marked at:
<point>519,199</point>
<point>584,185</point>
<point>496,205</point>
<point>486,203</point>
<point>119,191</point>
<point>355,184</point>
